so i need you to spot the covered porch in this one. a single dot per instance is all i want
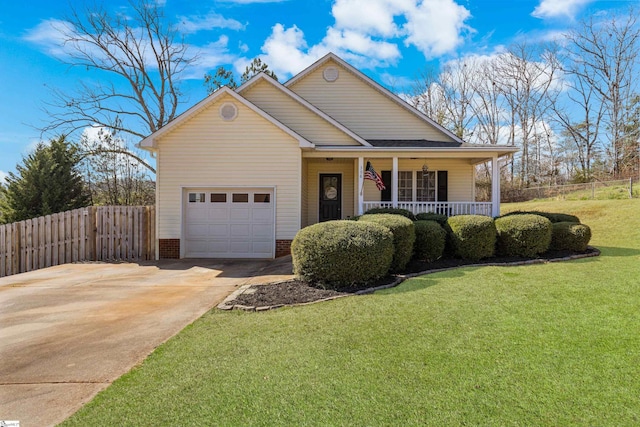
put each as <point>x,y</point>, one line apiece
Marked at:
<point>439,181</point>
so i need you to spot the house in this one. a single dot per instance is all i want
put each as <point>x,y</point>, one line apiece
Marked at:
<point>239,173</point>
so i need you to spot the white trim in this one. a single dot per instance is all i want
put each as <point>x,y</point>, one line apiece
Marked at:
<point>495,187</point>
<point>304,103</point>
<point>360,185</point>
<point>150,142</point>
<point>373,84</point>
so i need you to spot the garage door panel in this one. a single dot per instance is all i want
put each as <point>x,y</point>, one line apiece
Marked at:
<point>218,214</point>
<point>240,214</point>
<point>262,215</point>
<point>196,214</point>
<point>230,223</point>
<point>240,231</point>
<point>262,231</point>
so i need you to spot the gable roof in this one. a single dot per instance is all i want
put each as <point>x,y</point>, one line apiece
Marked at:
<point>149,143</point>
<point>373,84</point>
<point>264,77</point>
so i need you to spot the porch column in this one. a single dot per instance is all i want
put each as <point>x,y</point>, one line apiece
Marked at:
<point>394,182</point>
<point>495,187</point>
<point>360,185</point>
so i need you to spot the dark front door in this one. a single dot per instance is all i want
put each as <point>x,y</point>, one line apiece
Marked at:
<point>330,197</point>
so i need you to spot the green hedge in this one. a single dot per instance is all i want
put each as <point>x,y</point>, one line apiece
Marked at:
<point>403,237</point>
<point>551,216</point>
<point>473,236</point>
<point>342,253</point>
<point>432,216</point>
<point>393,211</point>
<point>570,236</point>
<point>524,235</point>
<point>430,240</point>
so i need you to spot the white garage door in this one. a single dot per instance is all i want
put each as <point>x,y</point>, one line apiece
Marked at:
<point>229,223</point>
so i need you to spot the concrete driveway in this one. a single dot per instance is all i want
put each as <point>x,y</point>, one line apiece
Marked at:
<point>67,332</point>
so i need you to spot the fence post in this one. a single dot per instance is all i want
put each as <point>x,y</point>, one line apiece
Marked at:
<point>631,188</point>
<point>593,190</point>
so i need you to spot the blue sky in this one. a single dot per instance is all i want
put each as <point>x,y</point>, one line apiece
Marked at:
<point>390,40</point>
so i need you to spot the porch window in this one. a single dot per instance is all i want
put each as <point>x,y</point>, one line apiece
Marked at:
<point>426,186</point>
<point>405,186</point>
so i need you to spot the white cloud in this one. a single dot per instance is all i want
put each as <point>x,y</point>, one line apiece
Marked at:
<point>48,35</point>
<point>193,24</point>
<point>436,27</point>
<point>559,8</point>
<point>3,175</point>
<point>367,32</point>
<point>252,1</point>
<point>378,19</point>
<point>210,56</point>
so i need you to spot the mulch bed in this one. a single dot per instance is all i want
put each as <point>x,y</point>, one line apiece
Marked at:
<point>293,292</point>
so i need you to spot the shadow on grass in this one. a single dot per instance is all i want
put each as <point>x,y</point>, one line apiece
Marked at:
<point>427,280</point>
<point>618,252</point>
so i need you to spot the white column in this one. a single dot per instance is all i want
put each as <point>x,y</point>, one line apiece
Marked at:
<point>360,185</point>
<point>394,182</point>
<point>495,187</point>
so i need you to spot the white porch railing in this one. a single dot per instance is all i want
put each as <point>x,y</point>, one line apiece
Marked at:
<point>445,208</point>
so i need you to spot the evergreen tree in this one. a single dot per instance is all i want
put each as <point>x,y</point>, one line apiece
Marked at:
<point>47,182</point>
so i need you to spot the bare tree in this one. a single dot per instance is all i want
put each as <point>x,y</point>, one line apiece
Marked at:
<point>525,77</point>
<point>427,96</point>
<point>115,178</point>
<point>604,54</point>
<point>139,58</point>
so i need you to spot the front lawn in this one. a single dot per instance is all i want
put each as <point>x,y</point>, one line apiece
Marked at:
<point>553,344</point>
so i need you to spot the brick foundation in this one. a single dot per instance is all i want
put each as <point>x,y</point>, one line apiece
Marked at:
<point>283,247</point>
<point>169,248</point>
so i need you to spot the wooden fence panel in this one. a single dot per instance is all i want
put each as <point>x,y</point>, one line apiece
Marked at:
<point>103,233</point>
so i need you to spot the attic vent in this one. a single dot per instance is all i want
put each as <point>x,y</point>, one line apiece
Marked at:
<point>228,111</point>
<point>330,74</point>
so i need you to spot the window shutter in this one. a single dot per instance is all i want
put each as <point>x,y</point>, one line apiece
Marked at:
<point>443,177</point>
<point>386,179</point>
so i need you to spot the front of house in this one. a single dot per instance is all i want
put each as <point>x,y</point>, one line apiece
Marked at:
<point>242,171</point>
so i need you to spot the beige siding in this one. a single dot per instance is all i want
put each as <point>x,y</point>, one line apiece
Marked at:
<point>362,109</point>
<point>317,166</point>
<point>249,151</point>
<point>296,116</point>
<point>460,176</point>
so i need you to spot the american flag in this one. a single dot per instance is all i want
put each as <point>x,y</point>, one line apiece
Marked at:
<point>370,173</point>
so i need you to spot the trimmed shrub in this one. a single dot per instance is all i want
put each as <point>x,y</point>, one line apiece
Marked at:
<point>523,235</point>
<point>404,236</point>
<point>570,236</point>
<point>342,253</point>
<point>430,240</point>
<point>432,216</point>
<point>393,211</point>
<point>473,236</point>
<point>551,216</point>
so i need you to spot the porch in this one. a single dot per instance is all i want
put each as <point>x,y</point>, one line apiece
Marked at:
<point>334,186</point>
<point>444,208</point>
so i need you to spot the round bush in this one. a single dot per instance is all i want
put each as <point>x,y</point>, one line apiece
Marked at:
<point>523,235</point>
<point>393,211</point>
<point>551,216</point>
<point>473,236</point>
<point>404,236</point>
<point>342,253</point>
<point>430,240</point>
<point>432,216</point>
<point>570,236</point>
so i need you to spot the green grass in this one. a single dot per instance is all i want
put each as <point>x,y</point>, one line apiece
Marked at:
<point>555,344</point>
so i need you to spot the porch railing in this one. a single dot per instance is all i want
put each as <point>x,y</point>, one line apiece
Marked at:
<point>445,208</point>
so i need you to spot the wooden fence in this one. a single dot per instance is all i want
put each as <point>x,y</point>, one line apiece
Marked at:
<point>97,233</point>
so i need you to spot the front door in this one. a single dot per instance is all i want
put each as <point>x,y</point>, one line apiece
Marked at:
<point>330,197</point>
